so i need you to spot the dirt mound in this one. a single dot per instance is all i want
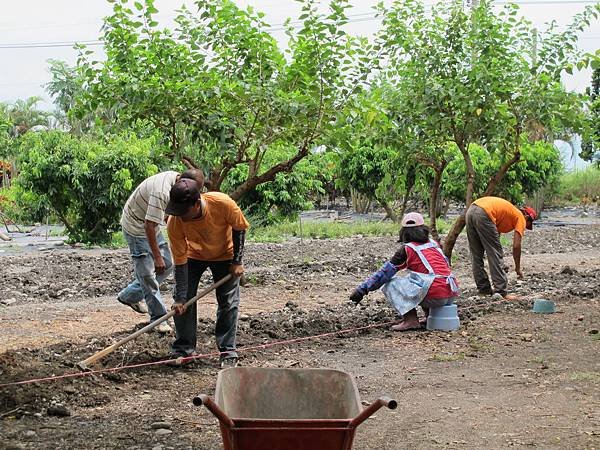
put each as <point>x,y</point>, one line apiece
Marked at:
<point>290,322</point>
<point>89,391</point>
<point>68,274</point>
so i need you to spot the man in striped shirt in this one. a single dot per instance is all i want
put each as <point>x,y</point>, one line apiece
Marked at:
<point>143,214</point>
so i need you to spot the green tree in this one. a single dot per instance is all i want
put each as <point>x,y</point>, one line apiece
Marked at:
<point>64,86</point>
<point>6,125</point>
<point>218,87</point>
<point>84,181</point>
<point>374,165</point>
<point>590,146</point>
<point>24,114</point>
<point>539,166</point>
<point>470,76</point>
<point>283,197</point>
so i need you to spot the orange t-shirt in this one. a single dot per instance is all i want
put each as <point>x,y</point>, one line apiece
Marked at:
<point>506,216</point>
<point>207,238</point>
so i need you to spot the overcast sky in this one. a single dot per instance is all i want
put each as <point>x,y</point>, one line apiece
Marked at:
<point>33,31</point>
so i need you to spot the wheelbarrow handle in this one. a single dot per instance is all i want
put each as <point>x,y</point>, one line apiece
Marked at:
<point>369,410</point>
<point>213,408</point>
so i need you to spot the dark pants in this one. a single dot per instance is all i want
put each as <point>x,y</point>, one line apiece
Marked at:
<point>484,237</point>
<point>228,299</point>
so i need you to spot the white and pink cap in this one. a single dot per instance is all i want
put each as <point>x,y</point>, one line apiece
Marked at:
<point>413,219</point>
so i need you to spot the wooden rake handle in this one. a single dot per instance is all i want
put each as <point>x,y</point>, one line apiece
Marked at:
<point>84,365</point>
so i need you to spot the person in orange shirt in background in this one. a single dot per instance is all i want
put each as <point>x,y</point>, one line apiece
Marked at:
<point>206,231</point>
<point>487,218</point>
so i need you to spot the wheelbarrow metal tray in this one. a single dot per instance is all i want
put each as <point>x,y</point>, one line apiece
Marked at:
<point>288,409</point>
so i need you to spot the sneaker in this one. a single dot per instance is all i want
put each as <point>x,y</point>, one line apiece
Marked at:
<point>180,359</point>
<point>163,328</point>
<point>229,362</point>
<point>139,307</point>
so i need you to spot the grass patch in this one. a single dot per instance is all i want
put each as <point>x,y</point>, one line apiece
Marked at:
<point>445,357</point>
<point>280,232</point>
<point>320,230</point>
<point>117,240</point>
<point>589,377</point>
<point>581,186</point>
<point>327,230</point>
<point>505,241</point>
<point>538,360</point>
<point>57,232</point>
<point>477,345</point>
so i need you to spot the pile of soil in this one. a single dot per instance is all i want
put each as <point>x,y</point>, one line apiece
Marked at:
<point>502,349</point>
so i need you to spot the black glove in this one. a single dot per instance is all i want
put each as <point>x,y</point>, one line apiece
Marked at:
<point>356,296</point>
<point>181,283</point>
<point>238,237</point>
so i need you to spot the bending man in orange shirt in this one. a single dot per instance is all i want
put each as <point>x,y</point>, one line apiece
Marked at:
<point>487,218</point>
<point>206,231</point>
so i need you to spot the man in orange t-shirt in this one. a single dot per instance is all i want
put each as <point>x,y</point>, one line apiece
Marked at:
<point>206,231</point>
<point>487,218</point>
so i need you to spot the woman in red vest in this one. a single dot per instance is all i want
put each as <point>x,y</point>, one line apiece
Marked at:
<point>429,281</point>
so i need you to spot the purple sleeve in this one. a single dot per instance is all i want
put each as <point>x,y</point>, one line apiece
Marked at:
<point>379,278</point>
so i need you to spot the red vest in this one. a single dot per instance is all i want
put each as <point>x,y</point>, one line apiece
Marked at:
<point>440,287</point>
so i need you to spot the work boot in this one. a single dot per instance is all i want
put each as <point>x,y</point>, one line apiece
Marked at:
<point>229,362</point>
<point>163,328</point>
<point>180,359</point>
<point>504,296</point>
<point>139,307</point>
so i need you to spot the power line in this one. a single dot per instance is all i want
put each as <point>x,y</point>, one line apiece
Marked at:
<point>359,17</point>
<point>354,18</point>
<point>547,2</point>
<point>50,44</point>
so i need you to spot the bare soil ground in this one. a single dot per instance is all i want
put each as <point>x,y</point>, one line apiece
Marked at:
<point>507,378</point>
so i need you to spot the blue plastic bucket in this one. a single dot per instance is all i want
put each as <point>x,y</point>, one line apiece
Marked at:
<point>543,306</point>
<point>444,318</point>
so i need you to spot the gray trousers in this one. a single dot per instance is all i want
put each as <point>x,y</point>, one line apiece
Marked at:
<point>484,237</point>
<point>228,300</point>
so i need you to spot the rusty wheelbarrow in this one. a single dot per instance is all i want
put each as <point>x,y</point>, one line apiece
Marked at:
<point>288,409</point>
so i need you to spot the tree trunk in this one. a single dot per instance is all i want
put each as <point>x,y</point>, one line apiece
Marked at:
<point>269,175</point>
<point>63,219</point>
<point>433,199</point>
<point>538,200</point>
<point>360,202</point>
<point>497,178</point>
<point>405,201</point>
<point>389,211</point>
<point>446,208</point>
<point>410,183</point>
<point>460,222</point>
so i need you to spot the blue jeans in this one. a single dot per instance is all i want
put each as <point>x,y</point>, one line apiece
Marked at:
<point>146,285</point>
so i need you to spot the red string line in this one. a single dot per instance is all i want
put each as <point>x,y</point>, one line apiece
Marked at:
<point>207,355</point>
<point>193,357</point>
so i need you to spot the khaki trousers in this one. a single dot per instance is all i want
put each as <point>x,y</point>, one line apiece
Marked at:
<point>484,238</point>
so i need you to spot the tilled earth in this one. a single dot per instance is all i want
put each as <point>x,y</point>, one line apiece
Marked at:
<point>507,378</point>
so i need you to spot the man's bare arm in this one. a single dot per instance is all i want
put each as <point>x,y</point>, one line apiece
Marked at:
<point>150,228</point>
<point>516,251</point>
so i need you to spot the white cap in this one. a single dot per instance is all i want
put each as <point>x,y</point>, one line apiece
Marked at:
<point>413,219</point>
